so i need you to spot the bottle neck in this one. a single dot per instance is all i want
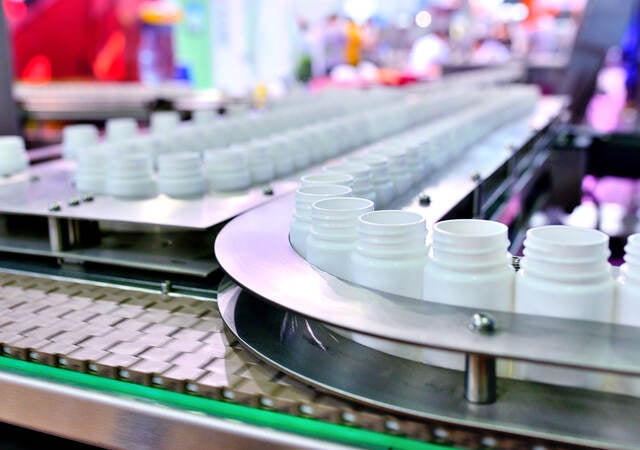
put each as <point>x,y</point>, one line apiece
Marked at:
<point>567,271</point>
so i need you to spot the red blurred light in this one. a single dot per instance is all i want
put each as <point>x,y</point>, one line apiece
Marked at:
<point>37,70</point>
<point>14,10</point>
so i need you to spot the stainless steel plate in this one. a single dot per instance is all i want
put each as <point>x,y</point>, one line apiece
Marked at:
<point>21,194</point>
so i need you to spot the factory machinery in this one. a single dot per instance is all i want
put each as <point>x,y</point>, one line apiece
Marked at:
<point>122,327</point>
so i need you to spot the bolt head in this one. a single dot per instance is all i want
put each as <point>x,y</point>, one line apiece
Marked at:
<point>425,199</point>
<point>476,177</point>
<point>165,287</point>
<point>87,198</point>
<point>482,323</point>
<point>74,202</point>
<point>267,190</point>
<point>55,207</point>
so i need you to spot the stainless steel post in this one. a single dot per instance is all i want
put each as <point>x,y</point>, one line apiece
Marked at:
<point>480,370</point>
<point>480,379</point>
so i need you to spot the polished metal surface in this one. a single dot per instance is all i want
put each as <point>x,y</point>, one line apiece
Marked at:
<point>480,379</point>
<point>171,252</point>
<point>21,194</point>
<point>120,422</point>
<point>560,414</point>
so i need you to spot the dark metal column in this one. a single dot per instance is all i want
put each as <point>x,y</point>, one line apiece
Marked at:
<point>8,117</point>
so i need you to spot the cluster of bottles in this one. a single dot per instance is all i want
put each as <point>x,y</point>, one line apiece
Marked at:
<point>564,272</point>
<point>383,171</point>
<point>185,160</point>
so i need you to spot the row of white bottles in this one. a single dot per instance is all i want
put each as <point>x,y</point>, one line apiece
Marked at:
<point>167,133</point>
<point>396,164</point>
<point>131,176</point>
<point>564,273</point>
<point>389,169</point>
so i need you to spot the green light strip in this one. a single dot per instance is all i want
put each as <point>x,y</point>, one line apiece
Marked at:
<point>283,422</point>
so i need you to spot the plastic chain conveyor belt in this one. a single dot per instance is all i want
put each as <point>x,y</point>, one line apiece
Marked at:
<point>174,351</point>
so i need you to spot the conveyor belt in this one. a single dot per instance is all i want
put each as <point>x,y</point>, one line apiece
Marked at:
<point>178,345</point>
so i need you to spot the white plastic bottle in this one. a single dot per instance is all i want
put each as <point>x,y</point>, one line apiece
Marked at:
<point>129,176</point>
<point>343,179</point>
<point>164,121</point>
<point>380,179</point>
<point>280,152</point>
<point>301,221</point>
<point>390,253</point>
<point>91,172</point>
<point>121,128</point>
<point>398,168</point>
<point>261,166</point>
<point>227,170</point>
<point>332,238</point>
<point>180,175</point>
<point>469,265</point>
<point>13,156</point>
<point>627,309</point>
<point>76,138</point>
<point>565,273</point>
<point>361,174</point>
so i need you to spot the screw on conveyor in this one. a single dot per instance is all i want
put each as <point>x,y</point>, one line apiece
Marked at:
<point>268,190</point>
<point>480,370</point>
<point>482,322</point>
<point>55,207</point>
<point>424,199</point>
<point>165,287</point>
<point>477,195</point>
<point>74,202</point>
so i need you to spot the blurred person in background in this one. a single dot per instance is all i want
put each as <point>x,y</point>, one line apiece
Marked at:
<point>494,48</point>
<point>429,52</point>
<point>489,51</point>
<point>334,40</point>
<point>353,43</point>
<point>370,35</point>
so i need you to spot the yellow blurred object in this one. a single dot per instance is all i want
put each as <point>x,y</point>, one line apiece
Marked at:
<point>260,94</point>
<point>353,44</point>
<point>160,13</point>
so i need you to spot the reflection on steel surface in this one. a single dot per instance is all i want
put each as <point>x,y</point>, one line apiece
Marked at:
<point>341,366</point>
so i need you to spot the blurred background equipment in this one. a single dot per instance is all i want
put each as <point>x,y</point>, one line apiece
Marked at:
<point>8,116</point>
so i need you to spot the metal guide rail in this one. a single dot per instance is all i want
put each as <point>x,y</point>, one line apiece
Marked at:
<point>101,365</point>
<point>346,367</point>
